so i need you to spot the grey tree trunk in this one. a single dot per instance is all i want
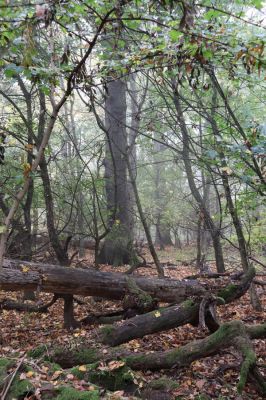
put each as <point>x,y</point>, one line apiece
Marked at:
<point>214,231</point>
<point>117,248</point>
<point>242,245</point>
<point>162,235</point>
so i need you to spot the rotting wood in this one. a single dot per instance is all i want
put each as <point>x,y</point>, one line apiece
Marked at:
<point>20,275</point>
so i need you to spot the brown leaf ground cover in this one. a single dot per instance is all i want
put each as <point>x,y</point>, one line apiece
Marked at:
<point>210,378</point>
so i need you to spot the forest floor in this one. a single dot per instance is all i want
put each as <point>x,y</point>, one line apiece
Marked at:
<point>214,377</point>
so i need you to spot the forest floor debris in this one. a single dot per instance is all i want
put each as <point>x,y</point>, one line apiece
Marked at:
<point>214,377</point>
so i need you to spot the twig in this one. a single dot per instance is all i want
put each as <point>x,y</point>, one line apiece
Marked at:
<point>5,390</point>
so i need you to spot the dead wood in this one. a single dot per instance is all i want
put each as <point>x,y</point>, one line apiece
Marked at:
<point>233,333</point>
<point>174,316</point>
<point>19,275</point>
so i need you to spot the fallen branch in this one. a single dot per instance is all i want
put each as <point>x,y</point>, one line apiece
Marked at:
<point>232,333</point>
<point>173,316</point>
<point>12,305</point>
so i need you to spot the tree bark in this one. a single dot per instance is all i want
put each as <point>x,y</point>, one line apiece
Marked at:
<point>90,282</point>
<point>117,246</point>
<point>233,333</point>
<point>214,231</point>
<point>242,245</point>
<point>171,317</point>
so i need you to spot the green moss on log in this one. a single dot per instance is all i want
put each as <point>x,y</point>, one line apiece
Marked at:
<point>84,374</point>
<point>144,298</point>
<point>107,330</point>
<point>75,357</point>
<point>248,363</point>
<point>188,303</point>
<point>227,292</point>
<point>118,379</point>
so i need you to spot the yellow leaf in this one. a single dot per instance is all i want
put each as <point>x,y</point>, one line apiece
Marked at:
<point>29,374</point>
<point>29,147</point>
<point>56,375</point>
<point>25,268</point>
<point>83,368</point>
<point>227,170</point>
<point>157,314</point>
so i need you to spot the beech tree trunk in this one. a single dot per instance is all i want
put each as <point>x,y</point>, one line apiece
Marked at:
<point>117,246</point>
<point>19,275</point>
<point>214,231</point>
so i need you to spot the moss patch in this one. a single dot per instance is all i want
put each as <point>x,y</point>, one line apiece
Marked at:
<point>19,388</point>
<point>69,393</point>
<point>188,303</point>
<point>227,292</point>
<point>5,364</point>
<point>53,367</point>
<point>79,356</point>
<point>84,374</point>
<point>38,351</point>
<point>107,330</point>
<point>163,383</point>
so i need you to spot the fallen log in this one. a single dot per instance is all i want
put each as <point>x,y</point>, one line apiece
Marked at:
<point>233,333</point>
<point>172,317</point>
<point>18,275</point>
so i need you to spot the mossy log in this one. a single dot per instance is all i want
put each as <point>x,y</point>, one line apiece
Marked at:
<point>233,333</point>
<point>171,317</point>
<point>20,275</point>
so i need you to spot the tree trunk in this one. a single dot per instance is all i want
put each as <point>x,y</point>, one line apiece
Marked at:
<point>171,317</point>
<point>214,231</point>
<point>117,246</point>
<point>90,282</point>
<point>162,235</point>
<point>145,224</point>
<point>242,246</point>
<point>233,333</point>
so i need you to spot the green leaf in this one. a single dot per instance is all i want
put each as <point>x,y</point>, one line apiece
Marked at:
<point>257,3</point>
<point>12,70</point>
<point>2,229</point>
<point>208,54</point>
<point>211,14</point>
<point>175,35</point>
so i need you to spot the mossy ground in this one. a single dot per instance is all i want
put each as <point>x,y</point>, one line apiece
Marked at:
<point>163,383</point>
<point>69,393</point>
<point>5,364</point>
<point>37,352</point>
<point>20,388</point>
